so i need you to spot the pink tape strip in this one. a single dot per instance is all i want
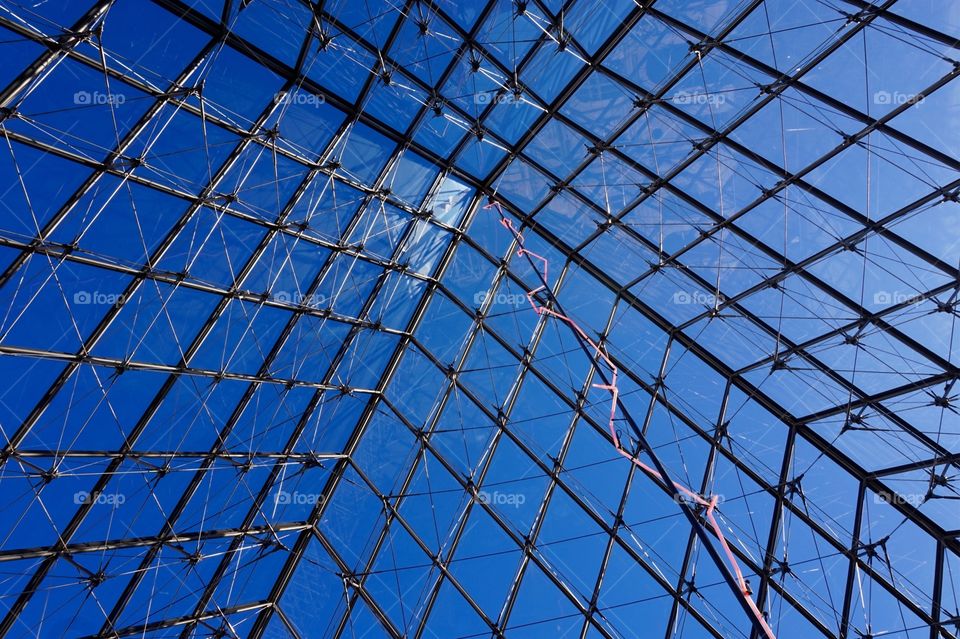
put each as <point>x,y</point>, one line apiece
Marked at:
<point>709,505</point>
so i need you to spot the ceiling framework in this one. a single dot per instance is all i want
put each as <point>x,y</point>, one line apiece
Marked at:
<point>275,368</point>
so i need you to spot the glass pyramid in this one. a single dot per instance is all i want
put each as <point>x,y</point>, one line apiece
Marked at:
<point>465,318</point>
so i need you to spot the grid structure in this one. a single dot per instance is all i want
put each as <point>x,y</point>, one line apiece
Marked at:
<point>273,371</point>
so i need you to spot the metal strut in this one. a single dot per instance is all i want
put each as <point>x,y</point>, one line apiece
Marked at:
<point>731,569</point>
